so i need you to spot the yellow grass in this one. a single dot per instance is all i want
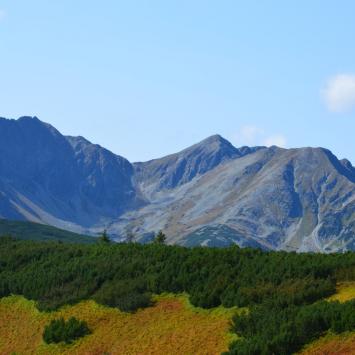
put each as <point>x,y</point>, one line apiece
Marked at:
<point>342,344</point>
<point>332,344</point>
<point>171,326</point>
<point>345,292</point>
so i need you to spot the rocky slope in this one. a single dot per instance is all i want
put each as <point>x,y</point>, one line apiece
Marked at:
<point>209,194</point>
<point>63,181</point>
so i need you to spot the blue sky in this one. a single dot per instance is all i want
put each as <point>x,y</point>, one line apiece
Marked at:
<point>147,78</point>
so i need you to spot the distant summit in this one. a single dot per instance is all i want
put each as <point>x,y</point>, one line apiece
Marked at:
<point>180,168</point>
<point>211,193</point>
<point>63,181</point>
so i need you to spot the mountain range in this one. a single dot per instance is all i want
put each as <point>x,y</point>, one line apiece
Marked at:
<point>210,194</point>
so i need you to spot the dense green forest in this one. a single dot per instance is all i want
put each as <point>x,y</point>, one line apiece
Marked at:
<point>40,232</point>
<point>283,291</point>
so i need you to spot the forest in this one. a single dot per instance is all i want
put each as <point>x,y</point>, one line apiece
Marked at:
<point>282,292</point>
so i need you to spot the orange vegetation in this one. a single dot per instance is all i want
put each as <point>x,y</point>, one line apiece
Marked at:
<point>171,326</point>
<point>343,344</point>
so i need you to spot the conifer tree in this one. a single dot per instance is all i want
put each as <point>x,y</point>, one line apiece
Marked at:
<point>104,237</point>
<point>160,238</point>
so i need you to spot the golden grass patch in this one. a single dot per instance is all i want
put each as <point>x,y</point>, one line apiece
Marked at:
<point>171,326</point>
<point>345,292</point>
<point>342,344</point>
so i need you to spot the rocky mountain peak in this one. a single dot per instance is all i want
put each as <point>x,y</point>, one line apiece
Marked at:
<point>214,143</point>
<point>180,168</point>
<point>68,177</point>
<point>210,193</point>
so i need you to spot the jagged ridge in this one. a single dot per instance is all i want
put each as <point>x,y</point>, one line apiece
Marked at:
<point>294,199</point>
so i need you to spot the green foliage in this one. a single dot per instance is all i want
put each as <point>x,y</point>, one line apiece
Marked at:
<point>40,232</point>
<point>271,328</point>
<point>160,238</point>
<point>104,238</point>
<point>127,295</point>
<point>279,288</point>
<point>58,330</point>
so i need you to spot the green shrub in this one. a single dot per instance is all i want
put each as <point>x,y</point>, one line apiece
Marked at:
<point>271,328</point>
<point>127,295</point>
<point>58,330</point>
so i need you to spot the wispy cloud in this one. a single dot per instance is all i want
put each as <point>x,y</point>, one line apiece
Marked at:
<point>277,139</point>
<point>339,93</point>
<point>253,135</point>
<point>249,134</point>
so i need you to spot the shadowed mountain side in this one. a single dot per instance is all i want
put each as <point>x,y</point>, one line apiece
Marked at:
<point>64,181</point>
<point>293,199</point>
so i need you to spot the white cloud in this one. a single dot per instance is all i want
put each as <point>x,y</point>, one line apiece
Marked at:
<point>339,93</point>
<point>252,135</point>
<point>248,135</point>
<point>277,139</point>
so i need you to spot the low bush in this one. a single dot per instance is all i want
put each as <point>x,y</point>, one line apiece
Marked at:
<point>127,295</point>
<point>59,330</point>
<point>271,328</point>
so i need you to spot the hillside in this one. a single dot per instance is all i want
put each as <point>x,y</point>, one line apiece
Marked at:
<point>211,193</point>
<point>278,290</point>
<point>171,326</point>
<point>39,232</point>
<point>332,343</point>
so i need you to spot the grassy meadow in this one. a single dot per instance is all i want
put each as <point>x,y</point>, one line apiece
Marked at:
<point>170,326</point>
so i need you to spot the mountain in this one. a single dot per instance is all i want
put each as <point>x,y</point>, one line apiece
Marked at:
<point>211,193</point>
<point>180,168</point>
<point>292,199</point>
<point>63,181</point>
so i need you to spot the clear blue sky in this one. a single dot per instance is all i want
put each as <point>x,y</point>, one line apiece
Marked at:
<point>147,78</point>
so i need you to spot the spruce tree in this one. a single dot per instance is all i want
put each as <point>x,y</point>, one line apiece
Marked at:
<point>160,238</point>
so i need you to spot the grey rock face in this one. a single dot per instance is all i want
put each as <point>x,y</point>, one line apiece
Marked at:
<point>180,168</point>
<point>64,181</point>
<point>209,194</point>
